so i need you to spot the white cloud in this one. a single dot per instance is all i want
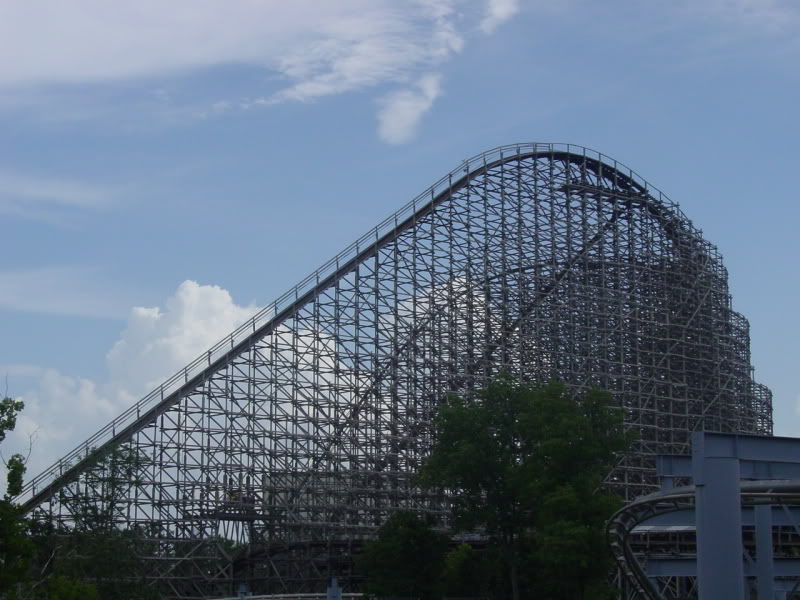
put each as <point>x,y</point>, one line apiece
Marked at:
<point>401,111</point>
<point>380,47</point>
<point>320,47</point>
<point>497,13</point>
<point>315,49</point>
<point>85,41</point>
<point>156,343</point>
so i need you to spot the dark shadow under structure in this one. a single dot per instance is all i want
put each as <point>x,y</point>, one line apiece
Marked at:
<point>265,459</point>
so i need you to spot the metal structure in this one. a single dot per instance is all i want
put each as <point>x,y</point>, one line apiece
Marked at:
<point>267,457</point>
<point>738,521</point>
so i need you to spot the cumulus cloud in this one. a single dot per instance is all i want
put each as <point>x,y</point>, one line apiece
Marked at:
<point>497,13</point>
<point>401,111</point>
<point>157,343</point>
<point>61,410</point>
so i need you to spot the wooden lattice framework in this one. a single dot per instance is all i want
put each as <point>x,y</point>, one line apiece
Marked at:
<point>265,459</point>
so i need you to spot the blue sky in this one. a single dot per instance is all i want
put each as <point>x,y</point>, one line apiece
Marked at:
<point>167,168</point>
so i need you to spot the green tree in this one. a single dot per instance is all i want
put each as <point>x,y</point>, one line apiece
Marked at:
<point>524,464</point>
<point>406,558</point>
<point>33,552</point>
<point>16,549</point>
<point>99,547</point>
<point>64,588</point>
<point>467,572</point>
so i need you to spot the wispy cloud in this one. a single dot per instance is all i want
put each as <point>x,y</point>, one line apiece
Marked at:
<point>382,47</point>
<point>497,13</point>
<point>401,111</point>
<point>310,49</point>
<point>51,42</point>
<point>45,198</point>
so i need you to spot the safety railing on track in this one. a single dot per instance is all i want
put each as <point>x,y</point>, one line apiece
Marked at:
<point>156,396</point>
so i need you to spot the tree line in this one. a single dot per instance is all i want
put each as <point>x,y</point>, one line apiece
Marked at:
<point>85,558</point>
<point>523,467</point>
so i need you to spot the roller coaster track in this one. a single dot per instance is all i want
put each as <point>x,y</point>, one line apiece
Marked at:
<point>640,195</point>
<point>307,423</point>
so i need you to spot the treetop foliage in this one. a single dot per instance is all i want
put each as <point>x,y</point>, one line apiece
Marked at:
<point>9,409</point>
<point>525,465</point>
<point>406,559</point>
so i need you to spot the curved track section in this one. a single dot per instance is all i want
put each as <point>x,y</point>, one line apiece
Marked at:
<point>306,424</point>
<point>620,527</point>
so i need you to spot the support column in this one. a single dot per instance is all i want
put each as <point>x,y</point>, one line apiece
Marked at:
<point>720,572</point>
<point>764,556</point>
